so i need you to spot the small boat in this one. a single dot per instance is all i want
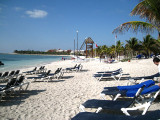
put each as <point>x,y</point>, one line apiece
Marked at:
<point>1,63</point>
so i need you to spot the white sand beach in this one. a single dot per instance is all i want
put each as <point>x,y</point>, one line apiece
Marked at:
<point>60,99</point>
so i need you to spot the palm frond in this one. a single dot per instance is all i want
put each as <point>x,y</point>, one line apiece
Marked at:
<point>135,26</point>
<point>148,9</point>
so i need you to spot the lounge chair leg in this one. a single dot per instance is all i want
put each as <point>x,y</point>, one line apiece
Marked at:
<point>27,86</point>
<point>114,77</point>
<point>125,111</point>
<point>117,96</point>
<point>20,88</point>
<point>103,96</point>
<point>1,96</point>
<point>112,97</point>
<point>81,108</point>
<point>98,110</point>
<point>120,77</point>
<point>34,79</point>
<point>146,108</point>
<point>100,78</point>
<point>2,93</point>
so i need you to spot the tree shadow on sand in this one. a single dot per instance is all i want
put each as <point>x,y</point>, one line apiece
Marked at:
<point>18,97</point>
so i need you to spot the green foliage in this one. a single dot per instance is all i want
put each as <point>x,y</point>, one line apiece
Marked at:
<point>41,52</point>
<point>146,9</point>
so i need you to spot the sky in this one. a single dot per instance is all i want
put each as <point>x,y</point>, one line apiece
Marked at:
<point>53,24</point>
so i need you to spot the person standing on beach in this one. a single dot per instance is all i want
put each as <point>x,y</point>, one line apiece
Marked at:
<point>157,62</point>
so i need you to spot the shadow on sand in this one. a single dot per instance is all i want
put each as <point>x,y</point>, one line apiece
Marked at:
<point>18,97</point>
<point>146,77</point>
<point>83,70</point>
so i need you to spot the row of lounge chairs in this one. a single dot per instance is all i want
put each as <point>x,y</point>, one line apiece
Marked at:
<point>46,76</point>
<point>75,68</point>
<point>13,80</point>
<point>140,97</point>
<point>8,75</point>
<point>12,85</point>
<point>41,69</point>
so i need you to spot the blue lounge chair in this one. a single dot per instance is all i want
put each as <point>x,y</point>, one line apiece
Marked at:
<point>124,105</point>
<point>115,92</point>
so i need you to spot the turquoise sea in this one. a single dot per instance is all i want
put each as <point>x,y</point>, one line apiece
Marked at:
<point>16,61</point>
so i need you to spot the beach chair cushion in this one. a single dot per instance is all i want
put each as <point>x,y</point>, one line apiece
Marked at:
<point>137,86</point>
<point>131,93</point>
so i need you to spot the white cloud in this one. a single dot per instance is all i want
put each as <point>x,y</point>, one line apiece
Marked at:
<point>17,8</point>
<point>37,13</point>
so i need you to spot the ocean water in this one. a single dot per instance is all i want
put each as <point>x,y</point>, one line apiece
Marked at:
<point>16,61</point>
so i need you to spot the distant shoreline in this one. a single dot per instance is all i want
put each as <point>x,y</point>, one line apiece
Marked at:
<point>35,54</point>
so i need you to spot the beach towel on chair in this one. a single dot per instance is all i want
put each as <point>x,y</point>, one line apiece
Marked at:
<point>131,93</point>
<point>132,87</point>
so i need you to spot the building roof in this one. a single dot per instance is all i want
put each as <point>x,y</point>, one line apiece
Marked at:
<point>89,40</point>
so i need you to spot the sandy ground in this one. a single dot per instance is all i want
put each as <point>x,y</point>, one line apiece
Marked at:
<point>60,99</point>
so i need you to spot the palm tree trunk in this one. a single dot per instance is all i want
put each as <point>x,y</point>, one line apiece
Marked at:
<point>158,35</point>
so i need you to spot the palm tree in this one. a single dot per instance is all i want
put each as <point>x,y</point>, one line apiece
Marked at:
<point>98,50</point>
<point>119,47</point>
<point>111,51</point>
<point>104,49</point>
<point>132,45</point>
<point>147,9</point>
<point>148,44</point>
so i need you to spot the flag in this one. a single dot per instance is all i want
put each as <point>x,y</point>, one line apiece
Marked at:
<point>96,45</point>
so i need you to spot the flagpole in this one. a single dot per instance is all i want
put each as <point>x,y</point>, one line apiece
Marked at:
<point>95,51</point>
<point>95,48</point>
<point>115,45</point>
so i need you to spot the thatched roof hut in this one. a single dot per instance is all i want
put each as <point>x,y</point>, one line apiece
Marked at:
<point>89,41</point>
